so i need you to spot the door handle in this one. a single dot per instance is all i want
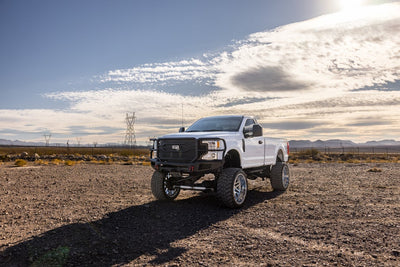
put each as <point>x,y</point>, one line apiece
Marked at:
<point>260,142</point>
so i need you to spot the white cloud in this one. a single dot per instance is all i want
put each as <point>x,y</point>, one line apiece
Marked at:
<point>328,55</point>
<point>193,69</point>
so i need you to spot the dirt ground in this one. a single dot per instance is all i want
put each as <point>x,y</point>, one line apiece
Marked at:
<point>105,215</point>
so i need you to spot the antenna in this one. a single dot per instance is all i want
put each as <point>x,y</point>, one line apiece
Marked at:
<point>130,137</point>
<point>182,114</point>
<point>47,138</point>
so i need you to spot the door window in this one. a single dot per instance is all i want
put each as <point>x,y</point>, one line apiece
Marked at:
<point>249,122</point>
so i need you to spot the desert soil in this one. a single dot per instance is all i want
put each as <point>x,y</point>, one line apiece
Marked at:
<point>105,215</point>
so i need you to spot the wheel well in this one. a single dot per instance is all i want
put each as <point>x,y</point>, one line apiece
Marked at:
<point>280,157</point>
<point>232,159</point>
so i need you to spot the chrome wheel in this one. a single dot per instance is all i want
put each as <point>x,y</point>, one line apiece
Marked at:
<point>232,187</point>
<point>285,176</point>
<point>280,176</point>
<point>240,188</point>
<point>169,191</point>
<point>162,188</point>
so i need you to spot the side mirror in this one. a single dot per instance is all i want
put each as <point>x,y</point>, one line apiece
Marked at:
<point>182,129</point>
<point>257,130</point>
<point>248,131</point>
<point>252,131</point>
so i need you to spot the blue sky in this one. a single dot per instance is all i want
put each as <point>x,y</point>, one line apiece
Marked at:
<point>305,68</point>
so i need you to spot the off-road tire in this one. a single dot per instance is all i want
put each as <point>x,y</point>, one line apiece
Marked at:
<point>232,187</point>
<point>280,176</point>
<point>159,187</point>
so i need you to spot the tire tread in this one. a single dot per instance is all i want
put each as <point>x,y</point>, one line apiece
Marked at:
<point>157,184</point>
<point>276,176</point>
<point>225,187</point>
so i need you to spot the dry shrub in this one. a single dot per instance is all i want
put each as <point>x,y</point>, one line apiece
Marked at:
<point>56,161</point>
<point>69,162</point>
<point>20,162</point>
<point>370,160</point>
<point>101,162</point>
<point>352,161</point>
<point>309,153</point>
<point>41,162</point>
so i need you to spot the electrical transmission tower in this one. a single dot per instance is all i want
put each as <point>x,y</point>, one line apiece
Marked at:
<point>47,138</point>
<point>78,141</point>
<point>130,137</point>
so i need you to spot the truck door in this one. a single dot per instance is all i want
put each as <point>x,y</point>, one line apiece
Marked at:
<point>270,153</point>
<point>253,154</point>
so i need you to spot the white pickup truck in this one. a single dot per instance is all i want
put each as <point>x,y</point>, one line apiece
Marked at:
<point>232,148</point>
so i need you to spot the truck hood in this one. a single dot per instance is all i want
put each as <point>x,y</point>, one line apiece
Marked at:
<point>198,135</point>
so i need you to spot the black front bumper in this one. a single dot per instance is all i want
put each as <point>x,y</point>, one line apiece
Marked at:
<point>193,168</point>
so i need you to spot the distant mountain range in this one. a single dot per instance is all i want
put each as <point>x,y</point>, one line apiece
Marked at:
<point>337,143</point>
<point>334,143</point>
<point>4,142</point>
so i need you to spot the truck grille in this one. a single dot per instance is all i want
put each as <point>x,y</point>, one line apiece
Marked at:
<point>177,150</point>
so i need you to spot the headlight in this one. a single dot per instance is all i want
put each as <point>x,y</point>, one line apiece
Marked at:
<point>154,144</point>
<point>214,144</point>
<point>213,155</point>
<point>215,149</point>
<point>153,153</point>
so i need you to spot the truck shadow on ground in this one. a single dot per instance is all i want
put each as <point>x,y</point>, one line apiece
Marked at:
<point>123,236</point>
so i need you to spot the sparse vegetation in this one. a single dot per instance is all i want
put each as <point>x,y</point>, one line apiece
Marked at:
<point>56,161</point>
<point>72,156</point>
<point>56,257</point>
<point>41,162</point>
<point>313,155</point>
<point>20,162</point>
<point>69,162</point>
<point>98,155</point>
<point>78,151</point>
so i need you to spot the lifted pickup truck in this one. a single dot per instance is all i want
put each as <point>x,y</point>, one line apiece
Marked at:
<point>232,148</point>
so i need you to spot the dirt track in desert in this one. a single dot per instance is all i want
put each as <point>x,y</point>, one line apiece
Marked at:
<point>104,215</point>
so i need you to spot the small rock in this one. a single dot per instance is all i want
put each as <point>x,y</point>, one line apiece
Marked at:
<point>374,170</point>
<point>248,247</point>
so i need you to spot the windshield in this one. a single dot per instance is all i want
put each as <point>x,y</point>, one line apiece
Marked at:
<point>216,124</point>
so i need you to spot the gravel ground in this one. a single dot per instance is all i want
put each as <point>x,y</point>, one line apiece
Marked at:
<point>105,215</point>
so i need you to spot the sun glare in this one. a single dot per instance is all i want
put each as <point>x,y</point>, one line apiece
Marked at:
<point>350,4</point>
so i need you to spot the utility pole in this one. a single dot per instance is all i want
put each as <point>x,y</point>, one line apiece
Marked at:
<point>78,141</point>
